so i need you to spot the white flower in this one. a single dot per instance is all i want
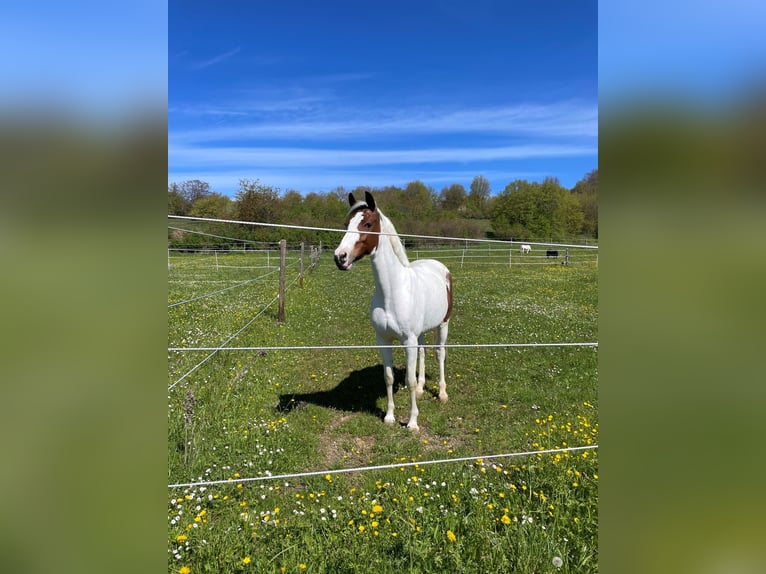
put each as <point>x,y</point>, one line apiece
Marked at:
<point>558,562</point>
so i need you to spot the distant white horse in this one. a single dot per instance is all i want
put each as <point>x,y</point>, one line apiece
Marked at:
<point>409,299</point>
<point>525,248</point>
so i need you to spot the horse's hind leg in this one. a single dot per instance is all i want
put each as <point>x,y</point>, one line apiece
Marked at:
<point>421,366</point>
<point>441,354</point>
<point>387,354</point>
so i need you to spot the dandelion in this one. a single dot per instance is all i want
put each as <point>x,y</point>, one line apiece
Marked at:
<point>558,562</point>
<point>302,566</point>
<point>451,536</point>
<point>377,509</point>
<point>246,560</point>
<point>184,570</point>
<point>181,537</point>
<point>505,519</point>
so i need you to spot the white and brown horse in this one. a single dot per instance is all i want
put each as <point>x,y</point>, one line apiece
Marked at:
<point>410,299</point>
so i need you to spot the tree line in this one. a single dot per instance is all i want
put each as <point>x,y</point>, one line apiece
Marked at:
<point>524,210</point>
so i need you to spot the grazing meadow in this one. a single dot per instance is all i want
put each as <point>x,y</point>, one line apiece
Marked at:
<point>237,415</point>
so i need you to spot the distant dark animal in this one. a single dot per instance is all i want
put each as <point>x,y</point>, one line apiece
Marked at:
<point>551,253</point>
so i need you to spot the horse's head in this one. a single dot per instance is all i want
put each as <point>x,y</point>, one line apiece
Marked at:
<point>362,228</point>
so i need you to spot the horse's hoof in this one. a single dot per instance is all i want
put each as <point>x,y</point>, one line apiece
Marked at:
<point>389,420</point>
<point>413,428</point>
<point>443,398</point>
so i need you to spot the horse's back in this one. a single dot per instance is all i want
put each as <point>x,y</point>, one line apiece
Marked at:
<point>437,277</point>
<point>430,266</point>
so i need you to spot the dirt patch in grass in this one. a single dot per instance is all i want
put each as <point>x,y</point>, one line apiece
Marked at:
<point>338,451</point>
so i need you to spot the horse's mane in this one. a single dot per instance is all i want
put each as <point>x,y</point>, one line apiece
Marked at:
<point>396,244</point>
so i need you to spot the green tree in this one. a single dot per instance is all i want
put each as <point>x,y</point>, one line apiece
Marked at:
<point>214,205</point>
<point>418,200</point>
<point>194,189</point>
<point>453,198</point>
<point>177,205</point>
<point>478,197</point>
<point>256,202</point>
<point>536,211</point>
<point>586,191</point>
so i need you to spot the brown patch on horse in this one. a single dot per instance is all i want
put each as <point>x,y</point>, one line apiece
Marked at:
<point>449,297</point>
<point>368,229</point>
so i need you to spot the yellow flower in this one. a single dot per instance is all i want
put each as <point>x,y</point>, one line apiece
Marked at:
<point>184,570</point>
<point>302,566</point>
<point>505,519</point>
<point>181,537</point>
<point>451,536</point>
<point>377,509</point>
<point>246,560</point>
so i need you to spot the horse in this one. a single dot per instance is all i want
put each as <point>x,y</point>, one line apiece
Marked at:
<point>525,248</point>
<point>410,299</point>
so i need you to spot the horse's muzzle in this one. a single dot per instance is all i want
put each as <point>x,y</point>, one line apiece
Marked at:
<point>341,261</point>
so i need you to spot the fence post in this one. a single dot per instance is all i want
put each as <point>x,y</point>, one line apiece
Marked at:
<point>282,253</point>
<point>301,271</point>
<point>566,257</point>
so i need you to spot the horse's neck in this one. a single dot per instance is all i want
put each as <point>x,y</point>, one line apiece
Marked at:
<point>389,262</point>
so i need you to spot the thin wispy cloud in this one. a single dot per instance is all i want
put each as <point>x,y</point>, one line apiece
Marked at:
<point>215,60</point>
<point>563,119</point>
<point>323,158</point>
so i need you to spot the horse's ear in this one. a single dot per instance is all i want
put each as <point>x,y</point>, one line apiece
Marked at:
<point>369,200</point>
<point>351,199</point>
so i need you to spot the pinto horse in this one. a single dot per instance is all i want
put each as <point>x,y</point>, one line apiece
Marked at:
<point>409,299</point>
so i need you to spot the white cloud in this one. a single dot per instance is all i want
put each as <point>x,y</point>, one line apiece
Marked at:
<point>563,119</point>
<point>321,158</point>
<point>215,60</point>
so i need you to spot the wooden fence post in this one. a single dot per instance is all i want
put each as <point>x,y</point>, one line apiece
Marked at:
<point>282,253</point>
<point>301,271</point>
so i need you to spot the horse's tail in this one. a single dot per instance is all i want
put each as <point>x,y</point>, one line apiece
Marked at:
<point>449,297</point>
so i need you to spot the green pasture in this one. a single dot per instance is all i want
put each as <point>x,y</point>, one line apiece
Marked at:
<point>254,414</point>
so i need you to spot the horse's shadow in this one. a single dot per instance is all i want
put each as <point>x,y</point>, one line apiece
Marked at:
<point>358,392</point>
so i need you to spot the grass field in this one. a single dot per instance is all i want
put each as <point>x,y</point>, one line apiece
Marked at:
<point>245,414</point>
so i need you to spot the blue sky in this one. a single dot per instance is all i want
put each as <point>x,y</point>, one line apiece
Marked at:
<point>311,95</point>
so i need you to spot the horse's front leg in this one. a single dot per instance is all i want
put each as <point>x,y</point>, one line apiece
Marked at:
<point>387,354</point>
<point>411,351</point>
